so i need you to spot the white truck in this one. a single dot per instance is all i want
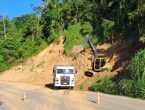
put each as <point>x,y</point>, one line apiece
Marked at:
<point>63,76</point>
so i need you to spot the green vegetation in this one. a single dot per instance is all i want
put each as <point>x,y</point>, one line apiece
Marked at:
<point>21,40</point>
<point>82,86</point>
<point>132,83</point>
<point>136,69</point>
<point>73,37</point>
<point>103,19</point>
<point>104,84</point>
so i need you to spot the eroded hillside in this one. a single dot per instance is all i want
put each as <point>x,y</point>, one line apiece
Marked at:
<point>38,69</point>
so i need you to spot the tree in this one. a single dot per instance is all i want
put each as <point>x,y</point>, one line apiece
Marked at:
<point>51,20</point>
<point>27,25</point>
<point>4,26</point>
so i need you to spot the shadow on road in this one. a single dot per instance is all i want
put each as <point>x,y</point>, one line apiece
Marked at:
<point>50,86</point>
<point>92,101</point>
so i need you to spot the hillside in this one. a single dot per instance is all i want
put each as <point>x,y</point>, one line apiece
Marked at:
<point>38,69</point>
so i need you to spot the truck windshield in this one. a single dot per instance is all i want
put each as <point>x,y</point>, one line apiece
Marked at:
<point>65,71</point>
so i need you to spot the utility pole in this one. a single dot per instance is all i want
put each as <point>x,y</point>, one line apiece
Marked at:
<point>4,28</point>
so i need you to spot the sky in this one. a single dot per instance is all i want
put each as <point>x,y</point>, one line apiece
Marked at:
<point>15,8</point>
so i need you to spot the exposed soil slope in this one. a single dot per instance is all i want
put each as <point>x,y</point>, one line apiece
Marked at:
<point>38,69</point>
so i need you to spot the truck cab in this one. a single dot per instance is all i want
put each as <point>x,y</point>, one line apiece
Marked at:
<point>63,76</point>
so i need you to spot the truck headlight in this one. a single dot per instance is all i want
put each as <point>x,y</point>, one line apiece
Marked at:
<point>56,79</point>
<point>72,80</point>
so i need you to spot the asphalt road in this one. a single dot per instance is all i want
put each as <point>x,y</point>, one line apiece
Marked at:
<point>16,96</point>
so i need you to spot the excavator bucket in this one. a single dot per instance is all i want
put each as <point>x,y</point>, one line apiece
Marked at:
<point>78,49</point>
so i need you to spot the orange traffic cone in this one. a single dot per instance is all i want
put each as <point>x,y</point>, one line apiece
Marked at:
<point>98,101</point>
<point>24,96</point>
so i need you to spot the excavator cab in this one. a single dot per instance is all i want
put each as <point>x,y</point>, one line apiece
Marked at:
<point>100,65</point>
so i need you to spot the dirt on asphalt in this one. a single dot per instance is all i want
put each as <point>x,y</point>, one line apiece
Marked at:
<point>45,98</point>
<point>40,98</point>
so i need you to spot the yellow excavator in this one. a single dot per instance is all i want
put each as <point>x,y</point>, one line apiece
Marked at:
<point>99,63</point>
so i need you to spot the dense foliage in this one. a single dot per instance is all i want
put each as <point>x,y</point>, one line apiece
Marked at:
<point>108,18</point>
<point>73,37</point>
<point>21,40</point>
<point>104,84</point>
<point>136,69</point>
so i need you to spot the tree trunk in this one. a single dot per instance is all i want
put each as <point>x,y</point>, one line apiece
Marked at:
<point>37,33</point>
<point>4,28</point>
<point>33,36</point>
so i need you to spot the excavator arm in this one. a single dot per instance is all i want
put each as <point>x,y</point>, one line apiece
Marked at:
<point>98,64</point>
<point>88,40</point>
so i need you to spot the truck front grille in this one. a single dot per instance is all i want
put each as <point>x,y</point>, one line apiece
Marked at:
<point>65,80</point>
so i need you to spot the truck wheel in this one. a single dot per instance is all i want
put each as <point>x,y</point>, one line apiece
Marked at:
<point>54,87</point>
<point>71,88</point>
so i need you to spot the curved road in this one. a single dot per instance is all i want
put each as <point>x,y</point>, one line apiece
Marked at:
<point>12,97</point>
